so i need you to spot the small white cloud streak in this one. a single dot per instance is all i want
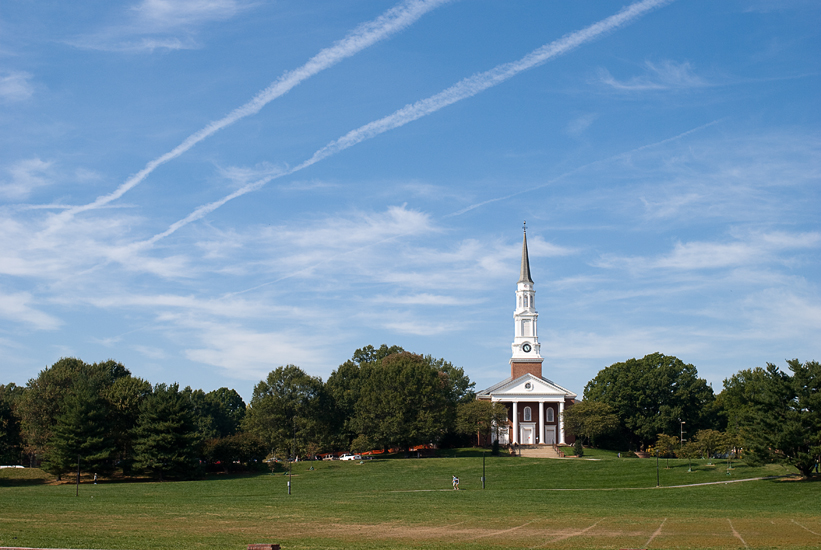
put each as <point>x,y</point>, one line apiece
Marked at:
<point>578,125</point>
<point>365,35</point>
<point>666,75</point>
<point>464,89</point>
<point>15,86</point>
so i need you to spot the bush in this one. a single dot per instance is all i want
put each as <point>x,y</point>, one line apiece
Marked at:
<point>578,447</point>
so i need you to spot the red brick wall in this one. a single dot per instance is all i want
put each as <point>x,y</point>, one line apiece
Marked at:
<point>519,369</point>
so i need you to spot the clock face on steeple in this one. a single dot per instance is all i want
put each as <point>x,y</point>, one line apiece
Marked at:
<point>526,347</point>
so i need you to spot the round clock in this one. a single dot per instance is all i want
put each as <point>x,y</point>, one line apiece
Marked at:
<point>526,347</point>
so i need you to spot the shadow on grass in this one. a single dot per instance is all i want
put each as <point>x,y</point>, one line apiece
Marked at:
<point>6,482</point>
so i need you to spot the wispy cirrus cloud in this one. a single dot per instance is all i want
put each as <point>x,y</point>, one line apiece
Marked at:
<point>161,14</point>
<point>160,25</point>
<point>18,307</point>
<point>463,89</point>
<point>251,354</point>
<point>15,86</point>
<point>365,35</point>
<point>665,75</point>
<point>750,249</point>
<point>578,125</point>
<point>25,176</point>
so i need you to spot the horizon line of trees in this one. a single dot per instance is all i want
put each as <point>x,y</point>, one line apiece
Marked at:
<point>110,420</point>
<point>774,415</point>
<point>388,398</point>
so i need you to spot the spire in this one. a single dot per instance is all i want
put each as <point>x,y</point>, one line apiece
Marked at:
<point>524,274</point>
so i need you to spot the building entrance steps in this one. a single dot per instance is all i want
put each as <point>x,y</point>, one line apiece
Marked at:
<point>539,451</point>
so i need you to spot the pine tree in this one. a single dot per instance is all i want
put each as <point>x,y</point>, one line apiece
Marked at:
<point>166,441</point>
<point>82,431</point>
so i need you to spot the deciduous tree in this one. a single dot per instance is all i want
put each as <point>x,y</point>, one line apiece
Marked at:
<point>590,419</point>
<point>403,401</point>
<point>480,417</point>
<point>289,404</point>
<point>42,402</point>
<point>652,395</point>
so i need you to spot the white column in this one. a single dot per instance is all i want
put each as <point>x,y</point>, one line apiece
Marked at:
<point>561,423</point>
<point>515,422</point>
<point>541,421</point>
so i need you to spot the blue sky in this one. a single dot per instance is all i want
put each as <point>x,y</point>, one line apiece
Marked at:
<point>207,189</point>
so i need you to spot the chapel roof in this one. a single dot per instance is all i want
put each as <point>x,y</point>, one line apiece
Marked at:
<point>509,381</point>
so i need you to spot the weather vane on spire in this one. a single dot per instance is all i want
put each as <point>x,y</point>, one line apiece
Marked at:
<point>524,226</point>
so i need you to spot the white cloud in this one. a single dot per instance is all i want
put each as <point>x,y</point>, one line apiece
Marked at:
<point>401,324</point>
<point>578,125</point>
<point>15,86</point>
<point>666,75</point>
<point>150,352</point>
<point>172,306</point>
<point>17,308</point>
<point>160,25</point>
<point>422,299</point>
<point>24,177</point>
<point>165,14</point>
<point>749,249</point>
<point>250,355</point>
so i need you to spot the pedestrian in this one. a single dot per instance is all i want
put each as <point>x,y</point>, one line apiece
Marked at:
<point>95,478</point>
<point>455,483</point>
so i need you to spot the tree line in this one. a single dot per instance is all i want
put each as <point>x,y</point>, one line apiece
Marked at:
<point>770,413</point>
<point>107,419</point>
<point>388,398</point>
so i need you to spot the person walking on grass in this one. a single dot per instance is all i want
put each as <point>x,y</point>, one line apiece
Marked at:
<point>455,483</point>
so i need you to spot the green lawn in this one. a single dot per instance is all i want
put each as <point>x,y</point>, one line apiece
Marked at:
<point>604,502</point>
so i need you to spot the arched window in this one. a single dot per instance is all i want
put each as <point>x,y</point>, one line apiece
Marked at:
<point>550,417</point>
<point>528,418</point>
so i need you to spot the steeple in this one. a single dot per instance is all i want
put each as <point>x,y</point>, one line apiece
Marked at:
<point>526,349</point>
<point>524,272</point>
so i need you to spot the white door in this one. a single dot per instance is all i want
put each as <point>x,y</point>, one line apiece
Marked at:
<point>550,435</point>
<point>526,435</point>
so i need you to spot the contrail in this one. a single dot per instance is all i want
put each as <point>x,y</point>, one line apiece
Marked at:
<point>582,167</point>
<point>464,89</point>
<point>392,21</point>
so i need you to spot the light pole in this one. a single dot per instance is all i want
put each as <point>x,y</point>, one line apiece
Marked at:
<point>293,456</point>
<point>483,469</point>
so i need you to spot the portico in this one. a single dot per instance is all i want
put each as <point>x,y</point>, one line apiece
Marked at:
<point>535,406</point>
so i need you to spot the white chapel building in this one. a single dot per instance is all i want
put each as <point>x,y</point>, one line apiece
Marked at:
<point>535,404</point>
